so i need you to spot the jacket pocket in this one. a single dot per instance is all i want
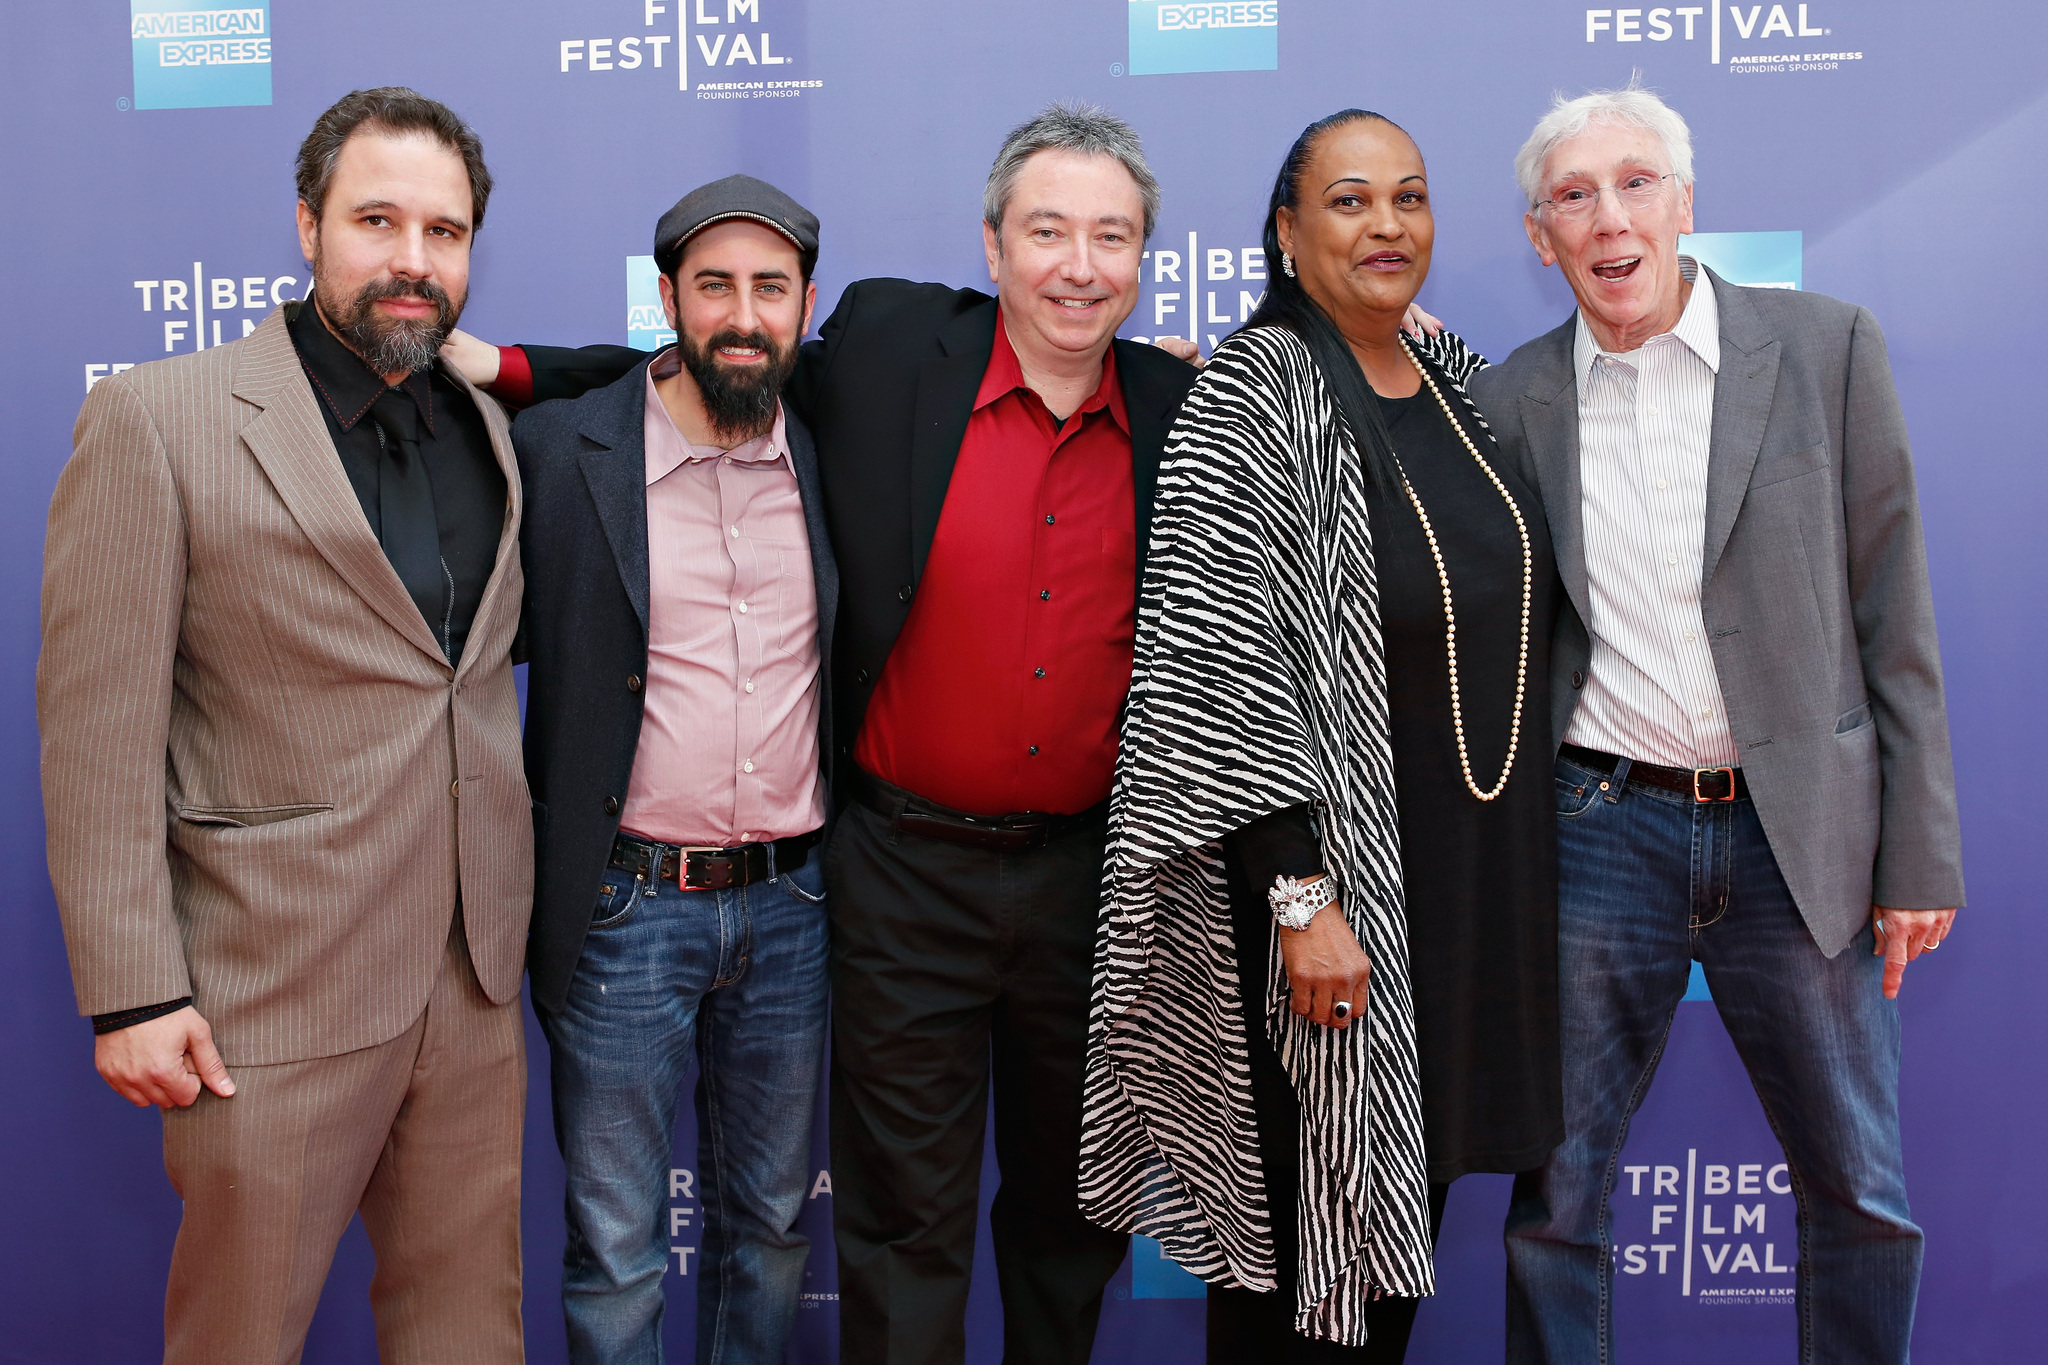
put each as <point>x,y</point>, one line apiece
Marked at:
<point>1855,718</point>
<point>246,817</point>
<point>1779,468</point>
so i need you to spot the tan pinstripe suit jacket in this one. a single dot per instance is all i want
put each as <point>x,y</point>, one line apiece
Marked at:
<point>264,784</point>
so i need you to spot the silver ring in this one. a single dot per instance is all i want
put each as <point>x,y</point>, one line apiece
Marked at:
<point>1930,945</point>
<point>1342,1009</point>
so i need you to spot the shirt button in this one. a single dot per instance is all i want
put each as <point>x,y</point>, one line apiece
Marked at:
<point>1651,410</point>
<point>735,531</point>
<point>1045,594</point>
<point>750,685</point>
<point>747,766</point>
<point>1034,751</point>
<point>1689,637</point>
<point>1668,559</point>
<point>611,805</point>
<point>455,789</point>
<point>1705,712</point>
<point>1048,518</point>
<point>1038,673</point>
<point>743,605</point>
<point>632,682</point>
<point>1662,484</point>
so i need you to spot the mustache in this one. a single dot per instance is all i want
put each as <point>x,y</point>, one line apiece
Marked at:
<point>740,400</point>
<point>392,345</point>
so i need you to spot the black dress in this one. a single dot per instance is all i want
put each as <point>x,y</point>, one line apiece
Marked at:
<point>1480,877</point>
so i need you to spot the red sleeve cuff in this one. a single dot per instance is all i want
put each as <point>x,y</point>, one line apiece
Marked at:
<point>514,385</point>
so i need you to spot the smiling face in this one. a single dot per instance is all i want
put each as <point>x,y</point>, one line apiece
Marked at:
<point>1621,258</point>
<point>739,304</point>
<point>390,250</point>
<point>1066,261</point>
<point>1361,231</point>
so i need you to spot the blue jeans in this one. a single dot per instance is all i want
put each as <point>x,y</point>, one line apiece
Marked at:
<point>1647,881</point>
<point>735,982</point>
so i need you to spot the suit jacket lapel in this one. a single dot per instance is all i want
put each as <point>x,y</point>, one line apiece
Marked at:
<point>1150,415</point>
<point>616,475</point>
<point>1550,418</point>
<point>946,386</point>
<point>289,440</point>
<point>508,535</point>
<point>1743,390</point>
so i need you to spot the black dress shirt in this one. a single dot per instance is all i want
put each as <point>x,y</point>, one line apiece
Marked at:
<point>373,423</point>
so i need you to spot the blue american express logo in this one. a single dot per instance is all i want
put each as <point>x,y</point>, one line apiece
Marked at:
<point>192,54</point>
<point>1204,35</point>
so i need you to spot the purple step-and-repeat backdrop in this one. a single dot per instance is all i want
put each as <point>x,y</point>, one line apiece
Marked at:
<point>1884,151</point>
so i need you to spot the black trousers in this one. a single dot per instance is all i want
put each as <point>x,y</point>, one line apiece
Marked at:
<point>1250,1328</point>
<point>953,966</point>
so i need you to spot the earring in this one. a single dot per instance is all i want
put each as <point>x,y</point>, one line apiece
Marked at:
<point>1287,264</point>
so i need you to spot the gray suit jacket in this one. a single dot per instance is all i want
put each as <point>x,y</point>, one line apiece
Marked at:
<point>265,787</point>
<point>1814,592</point>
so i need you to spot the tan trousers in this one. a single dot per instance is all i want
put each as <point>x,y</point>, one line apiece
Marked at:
<point>421,1134</point>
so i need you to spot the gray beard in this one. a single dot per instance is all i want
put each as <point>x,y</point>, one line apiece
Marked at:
<point>389,345</point>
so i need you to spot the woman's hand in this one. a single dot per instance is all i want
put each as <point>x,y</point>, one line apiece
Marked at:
<point>1325,965</point>
<point>476,359</point>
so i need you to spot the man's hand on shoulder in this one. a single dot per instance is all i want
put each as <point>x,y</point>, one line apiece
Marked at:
<point>1415,322</point>
<point>1902,935</point>
<point>475,358</point>
<point>162,1061</point>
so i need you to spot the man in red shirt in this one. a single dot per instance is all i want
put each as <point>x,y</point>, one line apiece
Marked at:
<point>988,467</point>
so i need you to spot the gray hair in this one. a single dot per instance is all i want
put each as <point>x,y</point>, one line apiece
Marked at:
<point>1085,128</point>
<point>1568,118</point>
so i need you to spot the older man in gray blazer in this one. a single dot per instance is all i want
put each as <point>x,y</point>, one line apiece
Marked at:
<point>1754,762</point>
<point>289,827</point>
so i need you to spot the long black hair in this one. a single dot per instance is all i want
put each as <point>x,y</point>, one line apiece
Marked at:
<point>1288,305</point>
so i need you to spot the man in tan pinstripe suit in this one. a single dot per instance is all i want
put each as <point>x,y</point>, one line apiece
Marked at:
<point>288,825</point>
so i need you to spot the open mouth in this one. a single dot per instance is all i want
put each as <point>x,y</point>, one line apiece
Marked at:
<point>742,354</point>
<point>1077,305</point>
<point>1385,260</point>
<point>1618,270</point>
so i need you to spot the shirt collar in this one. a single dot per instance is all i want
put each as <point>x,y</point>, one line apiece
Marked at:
<point>673,449</point>
<point>1699,326</point>
<point>345,384</point>
<point>1005,375</point>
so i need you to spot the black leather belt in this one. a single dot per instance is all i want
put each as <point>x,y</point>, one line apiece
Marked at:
<point>1704,785</point>
<point>1005,833</point>
<point>711,869</point>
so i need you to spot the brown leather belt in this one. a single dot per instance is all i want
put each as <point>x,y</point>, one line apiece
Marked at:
<point>1005,833</point>
<point>711,869</point>
<point>1704,785</point>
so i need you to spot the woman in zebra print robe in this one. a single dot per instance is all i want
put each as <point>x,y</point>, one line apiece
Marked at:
<point>1262,737</point>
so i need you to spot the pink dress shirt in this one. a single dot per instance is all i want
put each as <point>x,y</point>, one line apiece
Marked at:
<point>728,748</point>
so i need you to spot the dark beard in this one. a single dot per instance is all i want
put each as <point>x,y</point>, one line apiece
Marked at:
<point>739,401</point>
<point>389,345</point>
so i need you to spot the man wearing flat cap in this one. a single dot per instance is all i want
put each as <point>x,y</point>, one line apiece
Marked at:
<point>678,721</point>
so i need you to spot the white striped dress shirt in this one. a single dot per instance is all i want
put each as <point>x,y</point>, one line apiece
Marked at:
<point>1645,420</point>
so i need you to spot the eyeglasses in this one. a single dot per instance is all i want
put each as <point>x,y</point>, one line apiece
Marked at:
<point>1637,191</point>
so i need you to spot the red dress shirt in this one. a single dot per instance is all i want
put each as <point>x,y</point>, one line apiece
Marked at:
<point>1003,690</point>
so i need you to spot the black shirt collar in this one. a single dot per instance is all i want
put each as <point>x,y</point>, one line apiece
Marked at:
<point>345,384</point>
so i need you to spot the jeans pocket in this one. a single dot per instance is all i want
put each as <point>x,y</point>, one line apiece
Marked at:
<point>617,894</point>
<point>798,889</point>
<point>1576,795</point>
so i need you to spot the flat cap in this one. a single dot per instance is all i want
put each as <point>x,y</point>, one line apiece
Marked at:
<point>737,196</point>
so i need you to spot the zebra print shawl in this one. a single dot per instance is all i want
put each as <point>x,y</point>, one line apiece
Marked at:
<point>1259,684</point>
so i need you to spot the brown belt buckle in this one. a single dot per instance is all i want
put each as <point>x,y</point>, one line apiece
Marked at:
<point>1727,774</point>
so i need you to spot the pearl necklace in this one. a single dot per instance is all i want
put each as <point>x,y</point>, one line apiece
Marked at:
<point>1450,613</point>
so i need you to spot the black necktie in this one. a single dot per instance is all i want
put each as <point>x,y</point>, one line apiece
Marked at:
<point>405,511</point>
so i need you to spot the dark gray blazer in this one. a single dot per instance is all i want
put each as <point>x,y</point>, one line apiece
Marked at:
<point>1814,592</point>
<point>583,462</point>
